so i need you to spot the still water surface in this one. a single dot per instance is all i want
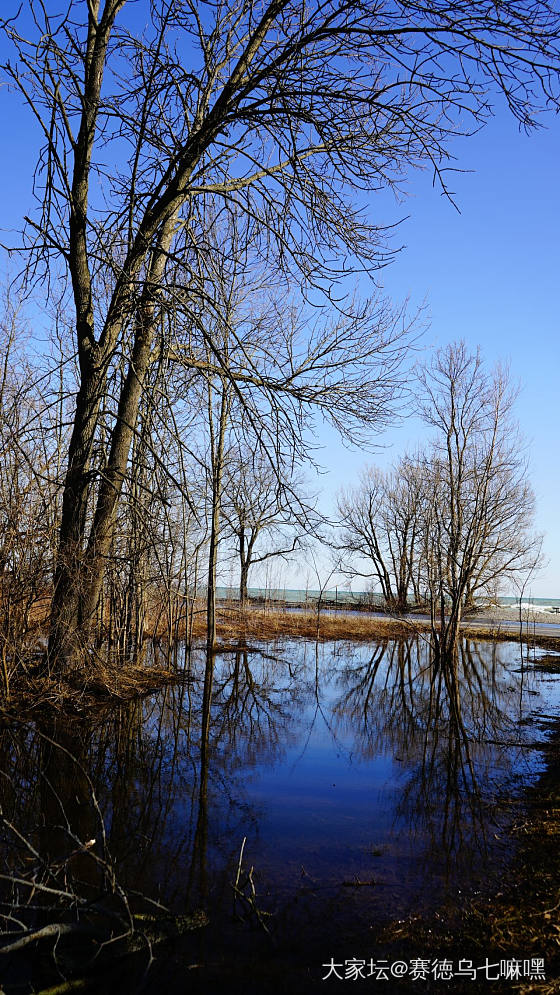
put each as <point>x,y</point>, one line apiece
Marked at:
<point>367,783</point>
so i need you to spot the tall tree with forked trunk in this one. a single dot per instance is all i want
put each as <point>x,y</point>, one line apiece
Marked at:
<point>290,112</point>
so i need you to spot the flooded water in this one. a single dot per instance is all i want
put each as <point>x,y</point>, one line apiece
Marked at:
<point>361,784</point>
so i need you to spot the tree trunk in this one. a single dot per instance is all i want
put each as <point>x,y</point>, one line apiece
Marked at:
<point>243,567</point>
<point>79,572</point>
<point>69,575</point>
<point>212,559</point>
<point>217,474</point>
<point>110,489</point>
<point>243,583</point>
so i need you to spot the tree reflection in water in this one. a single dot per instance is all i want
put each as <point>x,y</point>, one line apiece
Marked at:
<point>455,729</point>
<point>168,790</point>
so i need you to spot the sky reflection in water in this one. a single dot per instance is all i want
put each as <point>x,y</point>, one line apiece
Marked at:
<point>359,774</point>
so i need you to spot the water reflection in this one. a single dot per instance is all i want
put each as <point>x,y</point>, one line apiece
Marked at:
<point>339,764</point>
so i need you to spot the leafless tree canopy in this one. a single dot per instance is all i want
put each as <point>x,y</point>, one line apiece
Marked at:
<point>454,522</point>
<point>480,503</point>
<point>157,118</point>
<point>265,513</point>
<point>380,528</point>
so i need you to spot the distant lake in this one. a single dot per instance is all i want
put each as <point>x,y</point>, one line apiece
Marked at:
<point>342,596</point>
<point>367,787</point>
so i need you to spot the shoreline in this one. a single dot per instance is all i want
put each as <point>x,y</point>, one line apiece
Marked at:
<point>268,624</point>
<point>107,679</point>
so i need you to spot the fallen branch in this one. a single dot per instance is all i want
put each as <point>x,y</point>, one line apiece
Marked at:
<point>56,929</point>
<point>239,891</point>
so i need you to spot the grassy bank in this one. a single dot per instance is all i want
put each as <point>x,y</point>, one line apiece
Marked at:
<point>104,674</point>
<point>275,621</point>
<point>273,624</point>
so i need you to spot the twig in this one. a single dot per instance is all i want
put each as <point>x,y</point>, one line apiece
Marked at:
<point>77,985</point>
<point>240,862</point>
<point>56,929</point>
<point>239,890</point>
<point>35,886</point>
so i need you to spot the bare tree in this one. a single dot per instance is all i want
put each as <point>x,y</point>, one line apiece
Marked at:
<point>453,522</point>
<point>262,504</point>
<point>380,530</point>
<point>477,527</point>
<point>28,492</point>
<point>402,520</point>
<point>283,110</point>
<point>362,518</point>
<point>265,347</point>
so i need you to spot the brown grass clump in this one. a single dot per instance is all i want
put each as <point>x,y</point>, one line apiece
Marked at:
<point>124,682</point>
<point>277,623</point>
<point>270,624</point>
<point>496,634</point>
<point>102,683</point>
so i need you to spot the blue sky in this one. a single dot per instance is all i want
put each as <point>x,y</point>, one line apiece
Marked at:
<point>488,273</point>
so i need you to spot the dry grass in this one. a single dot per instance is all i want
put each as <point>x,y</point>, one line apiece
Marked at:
<point>526,916</point>
<point>124,682</point>
<point>103,679</point>
<point>270,623</point>
<point>495,633</point>
<point>81,691</point>
<point>274,624</point>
